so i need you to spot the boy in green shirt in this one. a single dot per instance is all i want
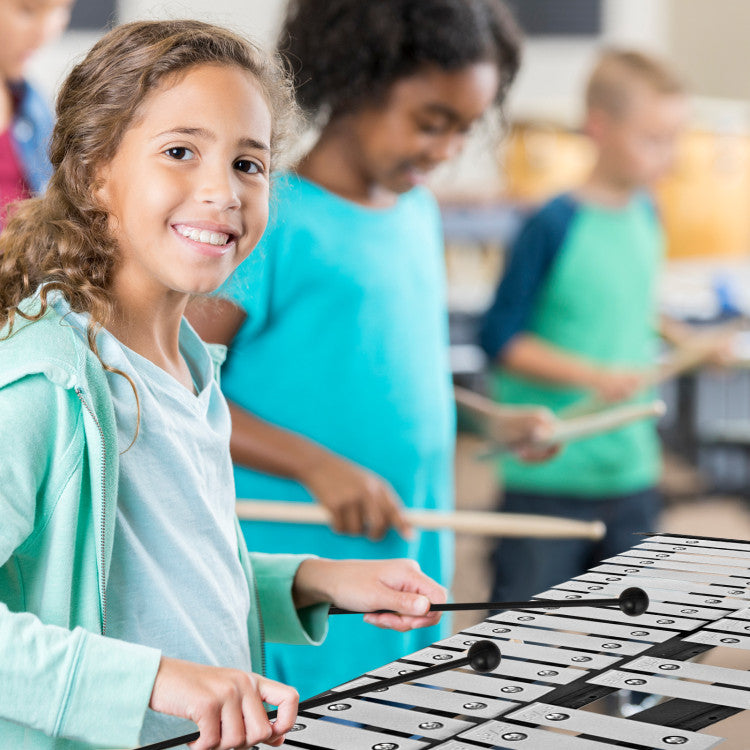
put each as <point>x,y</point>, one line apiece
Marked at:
<point>575,315</point>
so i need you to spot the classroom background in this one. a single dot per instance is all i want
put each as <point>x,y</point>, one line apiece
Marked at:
<point>704,204</point>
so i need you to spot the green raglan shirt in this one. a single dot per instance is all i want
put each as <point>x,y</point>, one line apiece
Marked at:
<point>582,278</point>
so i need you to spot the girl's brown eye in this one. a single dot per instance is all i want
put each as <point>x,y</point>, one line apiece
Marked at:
<point>247,166</point>
<point>179,152</point>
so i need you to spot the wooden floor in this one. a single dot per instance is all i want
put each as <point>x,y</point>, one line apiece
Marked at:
<point>476,488</point>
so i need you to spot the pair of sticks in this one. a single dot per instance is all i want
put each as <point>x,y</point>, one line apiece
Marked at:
<point>593,415</point>
<point>679,361</point>
<point>576,426</point>
<point>584,419</point>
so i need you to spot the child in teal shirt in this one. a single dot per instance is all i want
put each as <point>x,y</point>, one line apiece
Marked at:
<point>346,297</point>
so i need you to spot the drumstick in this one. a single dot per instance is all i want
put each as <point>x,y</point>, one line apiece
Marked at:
<point>681,359</point>
<point>482,656</point>
<point>461,521</point>
<point>608,419</point>
<point>632,601</point>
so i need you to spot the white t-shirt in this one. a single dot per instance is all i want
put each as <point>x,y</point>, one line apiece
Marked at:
<point>175,581</point>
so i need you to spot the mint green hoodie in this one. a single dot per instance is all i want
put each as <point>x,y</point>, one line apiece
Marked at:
<point>63,683</point>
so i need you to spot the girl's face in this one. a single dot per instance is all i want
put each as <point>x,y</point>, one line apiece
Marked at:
<point>422,123</point>
<point>25,25</point>
<point>187,189</point>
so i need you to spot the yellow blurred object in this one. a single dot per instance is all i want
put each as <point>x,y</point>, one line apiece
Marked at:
<point>705,202</point>
<point>541,159</point>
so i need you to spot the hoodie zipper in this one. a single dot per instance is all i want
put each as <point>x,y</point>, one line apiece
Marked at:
<point>102,534</point>
<point>262,629</point>
<point>262,636</point>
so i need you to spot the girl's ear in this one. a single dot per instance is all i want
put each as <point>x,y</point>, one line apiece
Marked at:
<point>595,123</point>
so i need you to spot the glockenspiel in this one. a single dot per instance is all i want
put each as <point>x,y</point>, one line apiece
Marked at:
<point>561,668</point>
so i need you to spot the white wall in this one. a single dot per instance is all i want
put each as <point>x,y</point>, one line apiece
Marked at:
<point>549,82</point>
<point>254,18</point>
<point>49,66</point>
<point>706,40</point>
<point>553,74</point>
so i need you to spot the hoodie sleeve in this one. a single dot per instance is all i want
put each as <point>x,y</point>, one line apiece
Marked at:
<point>61,680</point>
<point>274,577</point>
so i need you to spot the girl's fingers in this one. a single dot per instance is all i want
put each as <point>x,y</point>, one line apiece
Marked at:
<point>285,698</point>
<point>337,518</point>
<point>235,730</point>
<point>257,727</point>
<point>353,522</point>
<point>376,516</point>
<point>397,517</point>
<point>209,726</point>
<point>402,623</point>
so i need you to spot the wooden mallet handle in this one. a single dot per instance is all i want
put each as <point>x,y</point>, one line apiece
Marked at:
<point>460,521</point>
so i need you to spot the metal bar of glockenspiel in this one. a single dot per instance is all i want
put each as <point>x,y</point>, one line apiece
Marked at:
<point>482,656</point>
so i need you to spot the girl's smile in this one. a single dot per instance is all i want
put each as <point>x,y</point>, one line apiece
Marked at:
<point>208,238</point>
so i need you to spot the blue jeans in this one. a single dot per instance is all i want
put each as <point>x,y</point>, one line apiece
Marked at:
<point>524,567</point>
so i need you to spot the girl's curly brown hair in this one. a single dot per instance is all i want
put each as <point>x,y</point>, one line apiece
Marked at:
<point>61,238</point>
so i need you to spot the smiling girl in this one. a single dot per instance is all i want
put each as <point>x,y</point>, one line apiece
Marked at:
<point>126,589</point>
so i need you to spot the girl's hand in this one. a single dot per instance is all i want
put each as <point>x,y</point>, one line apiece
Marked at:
<point>523,430</point>
<point>360,501</point>
<point>518,427</point>
<point>617,385</point>
<point>367,585</point>
<point>226,704</point>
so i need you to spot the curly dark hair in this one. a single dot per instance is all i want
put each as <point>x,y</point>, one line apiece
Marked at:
<point>345,53</point>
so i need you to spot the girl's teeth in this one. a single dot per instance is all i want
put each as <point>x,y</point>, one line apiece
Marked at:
<point>205,236</point>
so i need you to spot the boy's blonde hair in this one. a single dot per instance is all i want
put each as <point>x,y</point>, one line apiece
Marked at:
<point>619,71</point>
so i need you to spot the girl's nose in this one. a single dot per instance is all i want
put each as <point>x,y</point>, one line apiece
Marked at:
<point>447,146</point>
<point>218,187</point>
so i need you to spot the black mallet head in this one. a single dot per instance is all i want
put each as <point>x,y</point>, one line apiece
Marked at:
<point>633,601</point>
<point>484,656</point>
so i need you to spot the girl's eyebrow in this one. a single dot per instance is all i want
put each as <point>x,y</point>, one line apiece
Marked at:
<point>444,110</point>
<point>209,136</point>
